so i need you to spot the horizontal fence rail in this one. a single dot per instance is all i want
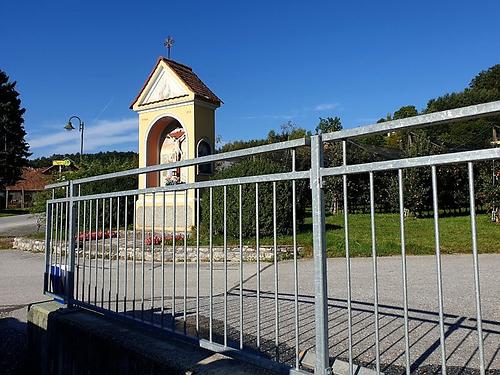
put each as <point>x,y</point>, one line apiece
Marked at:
<point>224,262</point>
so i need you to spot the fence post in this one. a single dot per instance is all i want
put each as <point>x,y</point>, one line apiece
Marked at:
<point>322,365</point>
<point>48,246</point>
<point>70,272</point>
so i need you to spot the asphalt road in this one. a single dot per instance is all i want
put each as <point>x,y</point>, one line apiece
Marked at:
<point>21,280</point>
<point>18,225</point>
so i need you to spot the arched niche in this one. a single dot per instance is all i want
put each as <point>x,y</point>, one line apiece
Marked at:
<point>166,143</point>
<point>203,148</point>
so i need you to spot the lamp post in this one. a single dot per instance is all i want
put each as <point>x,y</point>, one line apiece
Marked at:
<point>81,126</point>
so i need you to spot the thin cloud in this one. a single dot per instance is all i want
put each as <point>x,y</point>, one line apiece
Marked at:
<point>326,106</point>
<point>103,133</point>
<point>274,117</point>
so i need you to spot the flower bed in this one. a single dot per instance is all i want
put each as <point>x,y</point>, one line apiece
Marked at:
<point>95,235</point>
<point>157,240</point>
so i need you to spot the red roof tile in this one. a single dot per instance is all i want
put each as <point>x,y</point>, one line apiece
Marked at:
<point>32,179</point>
<point>189,77</point>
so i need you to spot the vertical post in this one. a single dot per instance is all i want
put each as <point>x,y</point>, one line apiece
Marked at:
<point>70,273</point>
<point>475,258</point>
<point>322,365</point>
<point>48,245</point>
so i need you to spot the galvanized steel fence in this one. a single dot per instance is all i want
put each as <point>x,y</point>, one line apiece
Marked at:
<point>105,252</point>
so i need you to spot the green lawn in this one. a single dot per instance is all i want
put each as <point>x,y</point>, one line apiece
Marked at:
<point>455,235</point>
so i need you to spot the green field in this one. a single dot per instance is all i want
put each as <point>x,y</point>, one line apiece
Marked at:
<point>455,235</point>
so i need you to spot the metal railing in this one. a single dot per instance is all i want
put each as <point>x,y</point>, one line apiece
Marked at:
<point>107,253</point>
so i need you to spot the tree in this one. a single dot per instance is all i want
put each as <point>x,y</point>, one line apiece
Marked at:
<point>328,125</point>
<point>260,165</point>
<point>404,112</point>
<point>13,147</point>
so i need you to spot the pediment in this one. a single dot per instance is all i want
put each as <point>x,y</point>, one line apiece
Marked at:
<point>164,85</point>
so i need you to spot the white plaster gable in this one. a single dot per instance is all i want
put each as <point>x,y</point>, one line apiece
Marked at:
<point>165,85</point>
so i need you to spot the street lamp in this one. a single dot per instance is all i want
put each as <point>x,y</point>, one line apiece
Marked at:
<point>69,126</point>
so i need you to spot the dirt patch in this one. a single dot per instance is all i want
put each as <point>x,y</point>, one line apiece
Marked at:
<point>6,243</point>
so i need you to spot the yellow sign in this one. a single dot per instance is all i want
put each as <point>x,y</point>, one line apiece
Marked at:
<point>65,163</point>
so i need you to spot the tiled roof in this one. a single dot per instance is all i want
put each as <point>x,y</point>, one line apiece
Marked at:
<point>189,77</point>
<point>32,179</point>
<point>192,80</point>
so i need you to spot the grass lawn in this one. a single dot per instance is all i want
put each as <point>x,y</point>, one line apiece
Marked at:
<point>455,235</point>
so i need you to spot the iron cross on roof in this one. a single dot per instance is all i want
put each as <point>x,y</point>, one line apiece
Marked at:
<point>169,42</point>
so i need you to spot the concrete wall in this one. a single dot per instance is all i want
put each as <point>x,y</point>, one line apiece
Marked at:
<point>74,341</point>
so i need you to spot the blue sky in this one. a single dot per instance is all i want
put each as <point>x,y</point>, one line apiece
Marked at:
<point>270,61</point>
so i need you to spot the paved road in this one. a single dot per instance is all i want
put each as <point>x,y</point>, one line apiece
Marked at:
<point>17,225</point>
<point>20,282</point>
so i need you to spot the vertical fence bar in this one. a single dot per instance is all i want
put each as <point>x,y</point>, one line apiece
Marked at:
<point>51,242</point>
<point>125,292</point>
<point>134,254</point>
<point>211,278</point>
<point>71,226</point>
<point>240,211</point>
<point>60,220</point>
<point>143,251</point>
<point>295,264</point>
<point>153,211</point>
<point>197,261</point>
<point>184,302</point>
<point>257,249</point>
<point>48,246</point>
<point>84,232</point>
<point>77,247</point>
<point>117,291</point>
<point>225,265</point>
<point>475,259</point>
<point>322,365</point>
<point>174,255</point>
<point>110,261</point>
<point>403,269</point>
<point>96,247</point>
<point>90,252</point>
<point>66,228</point>
<point>438,267</point>
<point>162,312</point>
<point>347,256</point>
<point>276,276</point>
<point>103,245</point>
<point>56,237</point>
<point>375,274</point>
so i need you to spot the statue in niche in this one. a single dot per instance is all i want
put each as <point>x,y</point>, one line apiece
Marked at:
<point>173,149</point>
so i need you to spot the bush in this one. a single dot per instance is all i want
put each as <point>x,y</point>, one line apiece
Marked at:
<point>258,166</point>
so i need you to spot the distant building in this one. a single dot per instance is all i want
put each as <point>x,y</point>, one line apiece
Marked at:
<point>20,195</point>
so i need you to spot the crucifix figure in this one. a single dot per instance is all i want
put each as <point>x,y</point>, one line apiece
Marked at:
<point>169,42</point>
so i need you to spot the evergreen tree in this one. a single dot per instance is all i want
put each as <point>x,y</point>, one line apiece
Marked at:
<point>13,147</point>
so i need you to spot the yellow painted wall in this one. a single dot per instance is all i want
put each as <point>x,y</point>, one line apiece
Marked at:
<point>198,120</point>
